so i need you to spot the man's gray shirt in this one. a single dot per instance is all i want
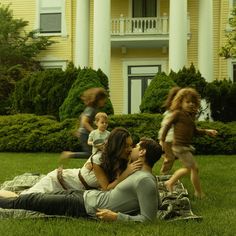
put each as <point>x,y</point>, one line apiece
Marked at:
<point>134,199</point>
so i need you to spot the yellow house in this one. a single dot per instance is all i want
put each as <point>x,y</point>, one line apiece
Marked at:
<point>131,40</point>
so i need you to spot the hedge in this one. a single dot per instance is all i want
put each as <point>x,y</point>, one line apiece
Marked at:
<point>31,133</point>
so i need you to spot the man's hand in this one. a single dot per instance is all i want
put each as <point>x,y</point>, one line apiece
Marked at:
<point>106,215</point>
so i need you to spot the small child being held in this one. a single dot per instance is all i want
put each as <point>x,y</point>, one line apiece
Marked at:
<point>101,121</point>
<point>184,109</point>
<point>169,157</point>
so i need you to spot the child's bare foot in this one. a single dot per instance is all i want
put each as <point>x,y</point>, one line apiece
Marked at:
<point>7,194</point>
<point>169,186</point>
<point>64,158</point>
<point>199,195</point>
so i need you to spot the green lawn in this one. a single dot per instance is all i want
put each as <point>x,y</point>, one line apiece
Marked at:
<point>218,208</point>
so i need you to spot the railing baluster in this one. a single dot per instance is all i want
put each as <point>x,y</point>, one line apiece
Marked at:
<point>145,25</point>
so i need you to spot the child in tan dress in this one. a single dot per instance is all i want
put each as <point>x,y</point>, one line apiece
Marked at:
<point>184,109</point>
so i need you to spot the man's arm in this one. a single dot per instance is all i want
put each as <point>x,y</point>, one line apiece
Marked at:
<point>148,203</point>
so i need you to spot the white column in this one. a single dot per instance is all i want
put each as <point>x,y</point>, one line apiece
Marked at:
<point>82,34</point>
<point>205,39</point>
<point>102,41</point>
<point>178,34</point>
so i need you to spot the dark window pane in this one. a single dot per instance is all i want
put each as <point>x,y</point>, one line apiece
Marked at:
<point>50,22</point>
<point>137,8</point>
<point>234,73</point>
<point>144,8</point>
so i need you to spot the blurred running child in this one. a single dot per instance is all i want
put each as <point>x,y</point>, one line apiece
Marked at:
<point>169,157</point>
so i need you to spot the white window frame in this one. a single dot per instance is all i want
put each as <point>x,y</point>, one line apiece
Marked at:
<point>231,62</point>
<point>61,10</point>
<point>54,64</point>
<point>142,62</point>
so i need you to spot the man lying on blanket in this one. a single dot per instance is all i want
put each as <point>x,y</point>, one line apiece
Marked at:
<point>136,198</point>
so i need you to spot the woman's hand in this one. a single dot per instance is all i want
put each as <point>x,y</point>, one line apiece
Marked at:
<point>133,167</point>
<point>107,215</point>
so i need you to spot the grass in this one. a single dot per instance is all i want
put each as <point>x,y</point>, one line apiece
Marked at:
<point>218,208</point>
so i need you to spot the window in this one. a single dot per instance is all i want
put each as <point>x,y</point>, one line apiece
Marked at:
<point>53,64</point>
<point>234,73</point>
<point>51,17</point>
<point>139,78</point>
<point>234,3</point>
<point>144,8</point>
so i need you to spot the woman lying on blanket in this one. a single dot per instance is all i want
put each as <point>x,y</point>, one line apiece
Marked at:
<point>103,170</point>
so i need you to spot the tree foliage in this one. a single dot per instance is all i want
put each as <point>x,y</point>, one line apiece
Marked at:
<point>18,50</point>
<point>229,49</point>
<point>18,47</point>
<point>190,77</point>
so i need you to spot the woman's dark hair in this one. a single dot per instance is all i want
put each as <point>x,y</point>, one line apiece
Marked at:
<point>112,160</point>
<point>153,150</point>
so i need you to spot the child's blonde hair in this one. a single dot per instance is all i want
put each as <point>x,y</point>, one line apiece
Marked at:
<point>185,93</point>
<point>172,92</point>
<point>100,115</point>
<point>91,96</point>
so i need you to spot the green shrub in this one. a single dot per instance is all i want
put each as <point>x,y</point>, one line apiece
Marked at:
<point>31,133</point>
<point>189,77</point>
<point>156,94</point>
<point>6,87</point>
<point>222,97</point>
<point>43,92</point>
<point>87,78</point>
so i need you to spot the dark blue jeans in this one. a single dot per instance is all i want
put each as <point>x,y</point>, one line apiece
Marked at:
<point>66,203</point>
<point>86,149</point>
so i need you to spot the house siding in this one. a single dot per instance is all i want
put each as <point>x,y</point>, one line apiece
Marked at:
<point>65,47</point>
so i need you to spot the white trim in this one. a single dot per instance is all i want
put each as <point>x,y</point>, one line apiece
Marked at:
<point>47,64</point>
<point>230,63</point>
<point>63,18</point>
<point>138,61</point>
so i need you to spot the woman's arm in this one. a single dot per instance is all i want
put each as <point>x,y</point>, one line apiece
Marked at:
<point>103,180</point>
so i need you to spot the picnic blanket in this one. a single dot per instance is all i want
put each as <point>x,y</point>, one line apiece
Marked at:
<point>174,206</point>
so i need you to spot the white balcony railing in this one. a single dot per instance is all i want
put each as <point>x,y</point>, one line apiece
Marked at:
<point>145,25</point>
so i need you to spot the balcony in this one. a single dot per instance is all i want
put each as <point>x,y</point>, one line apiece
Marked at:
<point>146,32</point>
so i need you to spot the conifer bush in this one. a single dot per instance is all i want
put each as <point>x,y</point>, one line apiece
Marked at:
<point>73,106</point>
<point>221,94</point>
<point>43,92</point>
<point>156,94</point>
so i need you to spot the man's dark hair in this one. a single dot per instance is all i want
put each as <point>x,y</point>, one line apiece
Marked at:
<point>153,150</point>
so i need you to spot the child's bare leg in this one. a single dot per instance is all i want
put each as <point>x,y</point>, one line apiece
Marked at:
<point>7,194</point>
<point>175,177</point>
<point>169,159</point>
<point>196,183</point>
